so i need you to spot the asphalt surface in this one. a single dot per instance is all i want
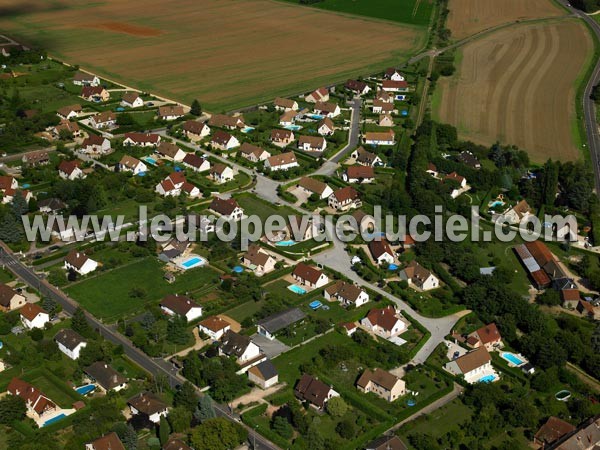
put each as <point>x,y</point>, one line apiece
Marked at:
<point>155,366</point>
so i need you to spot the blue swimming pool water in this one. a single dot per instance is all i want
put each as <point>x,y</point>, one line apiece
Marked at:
<point>247,129</point>
<point>411,402</point>
<point>192,262</point>
<point>315,116</point>
<point>400,97</point>
<point>86,389</point>
<point>54,419</point>
<point>25,185</point>
<point>315,305</point>
<point>293,127</point>
<point>238,269</point>
<point>393,267</point>
<point>512,358</point>
<point>296,289</point>
<point>120,108</point>
<point>487,379</point>
<point>285,243</point>
<point>404,112</point>
<point>496,203</point>
<point>150,160</point>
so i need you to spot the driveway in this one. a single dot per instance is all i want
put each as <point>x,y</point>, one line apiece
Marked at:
<point>271,348</point>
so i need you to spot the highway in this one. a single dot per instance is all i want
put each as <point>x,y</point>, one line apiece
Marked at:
<point>154,366</point>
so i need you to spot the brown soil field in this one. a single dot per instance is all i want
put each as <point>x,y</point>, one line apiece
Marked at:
<point>518,86</point>
<point>226,53</point>
<point>468,17</point>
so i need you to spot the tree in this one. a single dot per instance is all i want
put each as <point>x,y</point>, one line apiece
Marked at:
<point>337,407</point>
<point>180,419</point>
<point>50,306</point>
<point>12,408</point>
<point>596,340</point>
<point>19,205</point>
<point>127,435</point>
<point>346,429</point>
<point>79,323</point>
<point>282,427</point>
<point>218,434</point>
<point>10,229</point>
<point>36,334</point>
<point>205,409</point>
<point>186,397</point>
<point>177,332</point>
<point>195,108</point>
<point>164,431</point>
<point>549,297</point>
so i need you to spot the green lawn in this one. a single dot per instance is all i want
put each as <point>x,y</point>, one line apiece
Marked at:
<point>253,205</point>
<point>417,12</point>
<point>59,394</point>
<point>107,296</point>
<point>443,420</point>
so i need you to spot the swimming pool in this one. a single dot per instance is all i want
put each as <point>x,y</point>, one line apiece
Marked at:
<point>85,389</point>
<point>315,116</point>
<point>54,419</point>
<point>487,379</point>
<point>400,97</point>
<point>315,305</point>
<point>512,358</point>
<point>194,261</point>
<point>496,203</point>
<point>293,127</point>
<point>285,243</point>
<point>150,160</point>
<point>238,269</point>
<point>25,185</point>
<point>393,267</point>
<point>404,113</point>
<point>296,289</point>
<point>247,129</point>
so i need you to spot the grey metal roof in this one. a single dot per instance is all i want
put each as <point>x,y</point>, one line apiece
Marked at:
<point>531,264</point>
<point>281,320</point>
<point>267,369</point>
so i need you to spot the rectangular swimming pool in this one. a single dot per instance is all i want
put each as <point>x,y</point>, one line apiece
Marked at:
<point>296,289</point>
<point>285,243</point>
<point>54,419</point>
<point>512,358</point>
<point>487,379</point>
<point>192,262</point>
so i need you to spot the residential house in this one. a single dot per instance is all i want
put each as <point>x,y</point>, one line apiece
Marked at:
<point>394,74</point>
<point>142,139</point>
<point>8,183</point>
<point>222,140</point>
<point>394,86</point>
<point>301,228</point>
<point>95,94</point>
<point>312,143</point>
<point>381,107</point>
<point>170,151</point>
<point>37,404</point>
<point>488,336</point>
<point>327,109</point>
<point>131,164</point>
<point>309,276</point>
<point>181,305</point>
<point>386,443</point>
<point>69,170</point>
<point>131,100</point>
<point>95,146</point>
<point>70,342</point>
<point>357,87</point>
<point>384,96</point>
<point>380,138</point>
<point>365,222</point>
<point>220,173</point>
<point>227,208</point>
<point>106,119</point>
<point>460,180</point>
<point>107,378</point>
<point>312,186</point>
<point>253,153</point>
<point>214,327</point>
<point>195,131</point>
<point>381,251</point>
<point>148,405</point>
<point>381,383</point>
<point>85,79</point>
<point>552,430</point>
<point>418,276</point>
<point>33,316</point>
<point>176,184</point>
<point>285,104</point>
<point>384,322</point>
<point>80,262</point>
<point>196,163</point>
<point>271,325</point>
<point>326,127</point>
<point>282,138</point>
<point>241,347</point>
<point>8,195</point>
<point>585,437</point>
<point>585,308</point>
<point>288,118</point>
<point>51,205</point>
<point>318,95</point>
<point>283,161</point>
<point>473,365</point>
<point>69,112</point>
<point>170,112</point>
<point>517,213</point>
<point>40,157</point>
<point>65,126</point>
<point>344,199</point>
<point>570,298</point>
<point>469,159</point>
<point>315,392</point>
<point>10,299</point>
<point>258,260</point>
<point>366,158</point>
<point>359,174</point>
<point>385,120</point>
<point>224,121</point>
<point>109,441</point>
<point>264,374</point>
<point>350,328</point>
<point>346,293</point>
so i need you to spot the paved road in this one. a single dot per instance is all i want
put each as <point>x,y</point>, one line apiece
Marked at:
<point>155,366</point>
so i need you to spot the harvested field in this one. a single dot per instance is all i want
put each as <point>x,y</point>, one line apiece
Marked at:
<point>226,53</point>
<point>468,17</point>
<point>518,86</point>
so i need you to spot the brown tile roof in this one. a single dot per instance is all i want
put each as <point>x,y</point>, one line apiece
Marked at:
<point>541,278</point>
<point>147,403</point>
<point>71,127</point>
<point>109,441</point>
<point>65,110</point>
<point>364,156</point>
<point>234,344</point>
<point>355,85</point>
<point>219,168</point>
<point>130,97</point>
<point>215,323</point>
<point>281,135</point>
<point>91,91</point>
<point>380,135</point>
<point>168,149</point>
<point>222,120</point>
<point>105,116</point>
<point>379,377</point>
<point>83,76</point>
<point>31,395</point>
<point>282,159</point>
<point>76,258</point>
<point>193,126</point>
<point>307,272</point>
<point>380,247</point>
<point>320,93</point>
<point>6,182</point>
<point>489,333</point>
<point>93,140</point>
<point>473,359</point>
<point>383,317</point>
<point>265,370</point>
<point>193,160</point>
<point>179,304</point>
<point>129,161</point>
<point>416,271</point>
<point>387,443</point>
<point>176,444</point>
<point>142,138</point>
<point>553,430</point>
<point>454,177</point>
<point>326,107</point>
<point>31,310</point>
<point>327,122</point>
<point>345,290</point>
<point>6,295</point>
<point>256,255</point>
<point>346,193</point>
<point>221,137</point>
<point>540,252</point>
<point>313,141</point>
<point>170,110</point>
<point>312,185</point>
<point>391,84</point>
<point>284,102</point>
<point>358,172</point>
<point>223,206</point>
<point>312,390</point>
<point>105,375</point>
<point>385,106</point>
<point>249,149</point>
